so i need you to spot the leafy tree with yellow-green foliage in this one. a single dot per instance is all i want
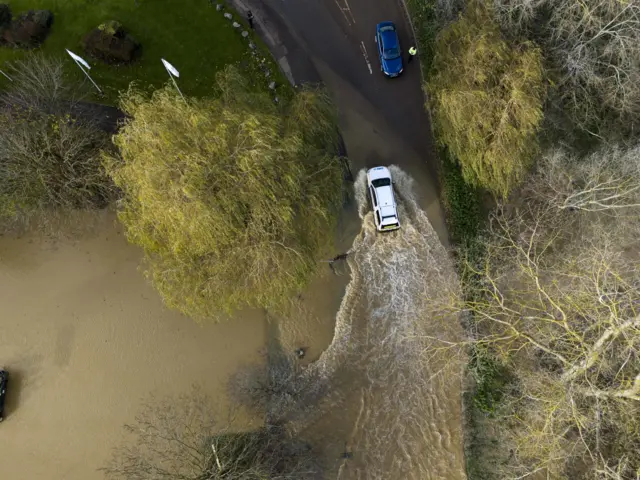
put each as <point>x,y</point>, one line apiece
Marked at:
<point>233,198</point>
<point>487,98</point>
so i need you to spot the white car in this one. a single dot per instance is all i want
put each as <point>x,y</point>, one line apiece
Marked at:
<point>383,202</point>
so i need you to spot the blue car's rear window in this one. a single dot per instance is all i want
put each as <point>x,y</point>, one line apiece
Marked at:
<point>391,53</point>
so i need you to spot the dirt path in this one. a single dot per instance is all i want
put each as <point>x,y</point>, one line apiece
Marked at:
<point>86,338</point>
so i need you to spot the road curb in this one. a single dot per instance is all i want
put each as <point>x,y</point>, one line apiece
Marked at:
<point>423,82</point>
<point>407,15</point>
<point>267,32</point>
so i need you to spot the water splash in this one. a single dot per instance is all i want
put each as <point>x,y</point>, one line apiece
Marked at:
<point>408,421</point>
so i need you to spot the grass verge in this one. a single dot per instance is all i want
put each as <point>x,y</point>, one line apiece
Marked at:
<point>190,34</point>
<point>425,22</point>
<point>461,202</point>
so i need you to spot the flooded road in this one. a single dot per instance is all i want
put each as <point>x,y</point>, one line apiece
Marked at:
<point>393,410</point>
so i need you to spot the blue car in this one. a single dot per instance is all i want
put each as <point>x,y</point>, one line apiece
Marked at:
<point>389,49</point>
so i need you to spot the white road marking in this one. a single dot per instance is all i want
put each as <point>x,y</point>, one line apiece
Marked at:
<point>366,56</point>
<point>350,12</point>
<point>346,18</point>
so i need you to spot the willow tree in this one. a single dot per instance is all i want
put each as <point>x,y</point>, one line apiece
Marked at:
<point>487,100</point>
<point>232,198</point>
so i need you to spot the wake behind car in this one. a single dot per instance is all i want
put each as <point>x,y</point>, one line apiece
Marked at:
<point>380,186</point>
<point>4,380</point>
<point>389,49</point>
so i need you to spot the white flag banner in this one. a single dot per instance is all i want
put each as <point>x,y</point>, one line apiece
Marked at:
<point>78,58</point>
<point>170,68</point>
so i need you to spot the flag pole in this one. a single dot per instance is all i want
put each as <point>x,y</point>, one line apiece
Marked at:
<point>79,62</point>
<point>8,77</point>
<point>88,76</point>
<point>173,72</point>
<point>176,85</point>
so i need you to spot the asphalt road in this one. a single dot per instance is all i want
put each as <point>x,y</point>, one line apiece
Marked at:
<point>383,120</point>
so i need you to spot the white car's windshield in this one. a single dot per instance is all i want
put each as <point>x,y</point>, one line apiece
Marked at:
<point>381,182</point>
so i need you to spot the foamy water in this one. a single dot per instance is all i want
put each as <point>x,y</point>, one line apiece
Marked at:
<point>403,386</point>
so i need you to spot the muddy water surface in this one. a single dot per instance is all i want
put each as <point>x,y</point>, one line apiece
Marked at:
<point>394,405</point>
<point>85,339</point>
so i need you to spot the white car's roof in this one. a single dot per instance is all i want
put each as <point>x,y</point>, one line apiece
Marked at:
<point>385,197</point>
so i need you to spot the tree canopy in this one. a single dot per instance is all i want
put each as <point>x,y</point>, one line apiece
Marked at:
<point>555,297</point>
<point>232,198</point>
<point>594,47</point>
<point>487,98</point>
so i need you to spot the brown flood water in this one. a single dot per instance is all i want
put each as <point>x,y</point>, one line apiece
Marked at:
<point>393,406</point>
<point>86,338</point>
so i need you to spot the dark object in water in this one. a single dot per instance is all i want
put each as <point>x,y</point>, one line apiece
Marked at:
<point>4,380</point>
<point>342,256</point>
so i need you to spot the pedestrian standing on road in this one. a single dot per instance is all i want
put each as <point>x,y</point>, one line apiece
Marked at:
<point>250,18</point>
<point>412,53</point>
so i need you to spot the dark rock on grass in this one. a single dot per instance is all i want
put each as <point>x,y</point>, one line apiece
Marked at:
<point>110,43</point>
<point>5,16</point>
<point>28,30</point>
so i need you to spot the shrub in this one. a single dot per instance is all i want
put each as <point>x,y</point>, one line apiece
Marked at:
<point>50,158</point>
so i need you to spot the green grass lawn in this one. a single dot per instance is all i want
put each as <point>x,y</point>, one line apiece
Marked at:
<point>190,34</point>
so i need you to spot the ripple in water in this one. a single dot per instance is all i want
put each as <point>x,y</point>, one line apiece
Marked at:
<point>407,417</point>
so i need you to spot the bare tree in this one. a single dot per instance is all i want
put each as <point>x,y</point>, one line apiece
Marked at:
<point>557,297</point>
<point>40,83</point>
<point>517,16</point>
<point>605,181</point>
<point>180,438</point>
<point>282,390</point>
<point>447,10</point>
<point>596,46</point>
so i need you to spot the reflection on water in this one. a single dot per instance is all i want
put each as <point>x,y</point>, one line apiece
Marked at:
<point>395,407</point>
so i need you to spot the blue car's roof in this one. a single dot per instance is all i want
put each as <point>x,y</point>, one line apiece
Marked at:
<point>389,39</point>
